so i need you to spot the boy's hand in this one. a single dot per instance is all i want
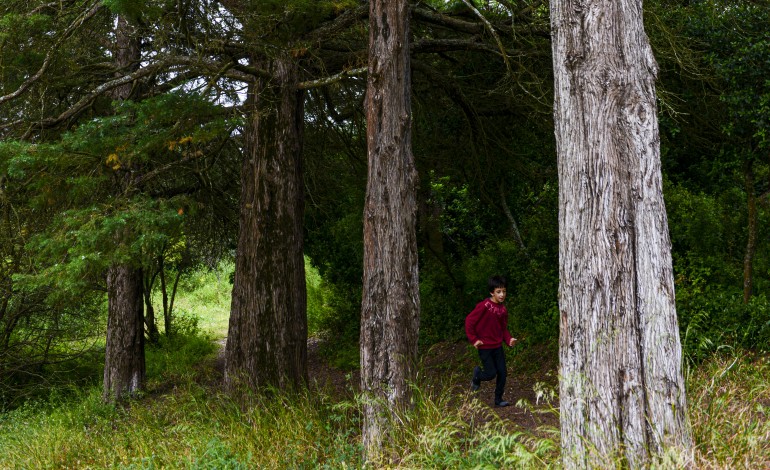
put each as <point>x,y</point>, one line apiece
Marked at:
<point>512,342</point>
<point>477,343</point>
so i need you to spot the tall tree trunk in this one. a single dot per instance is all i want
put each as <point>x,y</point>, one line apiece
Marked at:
<point>267,339</point>
<point>390,305</point>
<point>751,242</point>
<point>622,390</point>
<point>124,369</point>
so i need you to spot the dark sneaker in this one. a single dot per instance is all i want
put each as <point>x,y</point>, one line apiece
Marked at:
<point>502,403</point>
<point>475,382</point>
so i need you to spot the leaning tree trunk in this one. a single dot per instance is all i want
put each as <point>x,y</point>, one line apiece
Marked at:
<point>390,305</point>
<point>267,338</point>
<point>124,370</point>
<point>124,367</point>
<point>622,391</point>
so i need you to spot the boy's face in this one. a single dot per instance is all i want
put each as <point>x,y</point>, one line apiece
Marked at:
<point>498,295</point>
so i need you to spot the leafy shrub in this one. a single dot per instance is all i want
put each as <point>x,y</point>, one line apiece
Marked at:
<point>712,316</point>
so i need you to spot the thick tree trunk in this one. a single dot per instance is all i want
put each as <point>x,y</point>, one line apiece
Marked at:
<point>751,242</point>
<point>124,370</point>
<point>390,305</point>
<point>622,391</point>
<point>267,339</point>
<point>124,367</point>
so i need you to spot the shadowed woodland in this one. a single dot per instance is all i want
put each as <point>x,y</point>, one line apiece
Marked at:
<point>245,234</point>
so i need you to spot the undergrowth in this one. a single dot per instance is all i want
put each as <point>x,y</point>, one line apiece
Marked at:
<point>185,421</point>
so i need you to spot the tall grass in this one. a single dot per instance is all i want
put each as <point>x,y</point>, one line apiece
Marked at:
<point>189,428</point>
<point>729,401</point>
<point>195,426</point>
<point>184,420</point>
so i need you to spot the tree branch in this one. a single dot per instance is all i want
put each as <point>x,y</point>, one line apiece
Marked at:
<point>447,22</point>
<point>89,98</point>
<point>346,19</point>
<point>492,31</point>
<point>446,45</point>
<point>49,56</point>
<point>332,79</point>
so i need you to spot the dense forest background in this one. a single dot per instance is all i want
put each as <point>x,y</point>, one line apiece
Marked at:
<point>150,178</point>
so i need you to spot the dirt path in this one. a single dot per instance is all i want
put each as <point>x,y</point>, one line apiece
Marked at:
<point>447,367</point>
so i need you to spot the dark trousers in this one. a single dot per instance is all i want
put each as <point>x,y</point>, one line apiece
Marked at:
<point>493,365</point>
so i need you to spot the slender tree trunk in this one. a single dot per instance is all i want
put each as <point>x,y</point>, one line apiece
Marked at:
<point>622,391</point>
<point>267,339</point>
<point>124,369</point>
<point>390,304</point>
<point>168,314</point>
<point>164,297</point>
<point>514,226</point>
<point>149,311</point>
<point>751,243</point>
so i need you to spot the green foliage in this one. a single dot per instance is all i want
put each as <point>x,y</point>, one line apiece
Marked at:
<point>734,35</point>
<point>134,9</point>
<point>87,241</point>
<point>318,310</point>
<point>707,233</point>
<point>461,213</point>
<point>339,325</point>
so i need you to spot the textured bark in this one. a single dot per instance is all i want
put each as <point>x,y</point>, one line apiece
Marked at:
<point>390,305</point>
<point>751,242</point>
<point>267,338</point>
<point>124,369</point>
<point>622,391</point>
<point>127,56</point>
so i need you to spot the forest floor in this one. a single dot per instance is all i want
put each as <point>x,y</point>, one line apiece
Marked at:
<point>447,367</point>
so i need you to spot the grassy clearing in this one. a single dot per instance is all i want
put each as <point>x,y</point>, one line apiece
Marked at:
<point>205,294</point>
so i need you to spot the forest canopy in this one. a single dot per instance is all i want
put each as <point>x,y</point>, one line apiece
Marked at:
<point>125,126</point>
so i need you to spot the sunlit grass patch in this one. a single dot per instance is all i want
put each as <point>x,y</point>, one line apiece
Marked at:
<point>204,294</point>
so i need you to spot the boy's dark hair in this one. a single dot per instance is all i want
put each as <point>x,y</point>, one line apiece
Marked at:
<point>496,282</point>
